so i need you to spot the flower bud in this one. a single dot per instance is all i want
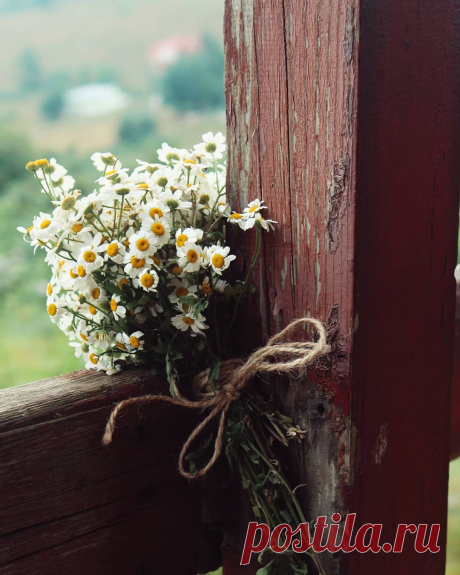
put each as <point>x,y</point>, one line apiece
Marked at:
<point>32,167</point>
<point>171,156</point>
<point>68,203</point>
<point>210,147</point>
<point>162,182</point>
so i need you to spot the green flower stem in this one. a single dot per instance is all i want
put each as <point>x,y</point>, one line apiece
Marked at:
<point>121,214</point>
<point>100,221</point>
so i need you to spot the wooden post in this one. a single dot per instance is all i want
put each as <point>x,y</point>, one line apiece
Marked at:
<point>69,505</point>
<point>344,118</point>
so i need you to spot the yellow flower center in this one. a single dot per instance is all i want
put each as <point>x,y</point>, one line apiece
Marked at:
<point>49,289</point>
<point>113,305</point>
<point>206,288</point>
<point>77,228</point>
<point>137,263</point>
<point>181,292</point>
<point>43,162</point>
<point>52,309</point>
<point>81,271</point>
<point>93,358</point>
<point>142,244</point>
<point>109,173</point>
<point>112,250</point>
<point>218,260</point>
<point>188,320</point>
<point>192,256</point>
<point>92,310</point>
<point>181,239</point>
<point>147,280</point>
<point>176,270</point>
<point>83,337</point>
<point>143,186</point>
<point>236,216</point>
<point>89,256</point>
<point>155,212</point>
<point>120,345</point>
<point>95,293</point>
<point>73,275</point>
<point>134,341</point>
<point>123,282</point>
<point>158,229</point>
<point>45,224</point>
<point>253,209</point>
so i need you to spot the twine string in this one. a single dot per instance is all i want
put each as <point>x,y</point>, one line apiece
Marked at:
<point>278,355</point>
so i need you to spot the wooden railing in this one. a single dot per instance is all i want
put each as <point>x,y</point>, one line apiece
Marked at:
<point>70,506</point>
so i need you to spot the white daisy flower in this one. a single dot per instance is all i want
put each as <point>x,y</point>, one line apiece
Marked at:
<point>219,258</point>
<point>44,228</point>
<point>266,224</point>
<point>114,251</point>
<point>159,227</point>
<point>153,208</point>
<point>118,310</point>
<point>135,340</point>
<point>188,235</point>
<point>237,219</point>
<point>142,244</point>
<point>147,280</point>
<point>56,309</point>
<point>254,207</point>
<point>212,145</point>
<point>105,160</point>
<point>220,286</point>
<point>146,167</point>
<point>189,257</point>
<point>173,200</point>
<point>181,289</point>
<point>136,265</point>
<point>166,154</point>
<point>89,256</point>
<point>186,321</point>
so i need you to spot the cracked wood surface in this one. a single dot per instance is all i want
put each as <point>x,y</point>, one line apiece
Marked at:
<point>342,117</point>
<point>69,505</point>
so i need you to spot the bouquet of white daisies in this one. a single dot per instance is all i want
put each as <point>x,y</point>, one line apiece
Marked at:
<point>140,275</point>
<point>139,264</point>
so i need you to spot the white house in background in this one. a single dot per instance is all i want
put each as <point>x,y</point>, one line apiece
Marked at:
<point>95,100</point>
<point>165,52</point>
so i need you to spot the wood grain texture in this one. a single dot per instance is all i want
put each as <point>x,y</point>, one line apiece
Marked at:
<point>455,411</point>
<point>69,505</point>
<point>343,117</point>
<point>291,74</point>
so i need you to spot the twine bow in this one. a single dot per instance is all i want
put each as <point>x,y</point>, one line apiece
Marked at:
<point>278,355</point>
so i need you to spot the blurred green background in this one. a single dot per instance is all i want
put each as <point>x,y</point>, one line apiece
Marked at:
<point>79,77</point>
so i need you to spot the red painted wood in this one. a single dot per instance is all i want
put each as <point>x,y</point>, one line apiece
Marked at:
<point>455,413</point>
<point>343,117</point>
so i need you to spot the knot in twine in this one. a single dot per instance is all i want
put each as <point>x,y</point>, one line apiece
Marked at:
<point>278,356</point>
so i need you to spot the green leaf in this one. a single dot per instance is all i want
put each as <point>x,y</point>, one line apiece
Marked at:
<point>112,288</point>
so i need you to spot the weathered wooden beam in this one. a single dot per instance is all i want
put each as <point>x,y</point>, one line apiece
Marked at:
<point>455,411</point>
<point>343,117</point>
<point>69,505</point>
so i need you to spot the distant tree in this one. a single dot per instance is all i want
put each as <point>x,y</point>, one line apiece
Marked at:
<point>135,129</point>
<point>53,106</point>
<point>196,82</point>
<point>30,74</point>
